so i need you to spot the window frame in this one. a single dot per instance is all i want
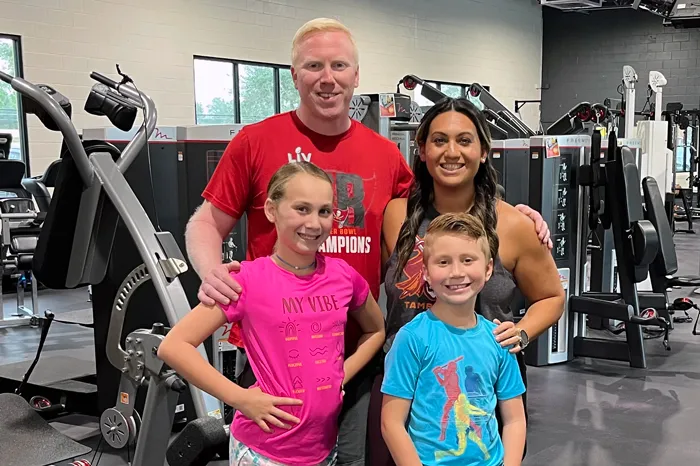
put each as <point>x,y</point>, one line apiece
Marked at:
<point>276,67</point>
<point>21,115</point>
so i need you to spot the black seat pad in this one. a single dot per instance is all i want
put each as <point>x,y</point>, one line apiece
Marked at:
<point>54,248</point>
<point>666,260</point>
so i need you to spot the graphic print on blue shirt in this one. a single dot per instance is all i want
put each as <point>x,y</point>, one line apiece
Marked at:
<point>455,378</point>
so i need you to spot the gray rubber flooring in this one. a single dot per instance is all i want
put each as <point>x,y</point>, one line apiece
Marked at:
<point>588,412</point>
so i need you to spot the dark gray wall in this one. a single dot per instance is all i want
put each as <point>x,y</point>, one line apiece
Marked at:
<point>583,56</point>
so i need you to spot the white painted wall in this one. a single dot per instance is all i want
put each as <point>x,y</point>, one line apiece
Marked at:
<point>495,42</point>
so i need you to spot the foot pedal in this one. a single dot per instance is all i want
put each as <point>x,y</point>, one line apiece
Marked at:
<point>198,443</point>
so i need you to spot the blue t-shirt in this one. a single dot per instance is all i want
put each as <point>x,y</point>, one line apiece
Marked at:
<point>455,378</point>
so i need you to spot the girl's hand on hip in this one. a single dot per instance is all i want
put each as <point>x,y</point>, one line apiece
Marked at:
<point>262,409</point>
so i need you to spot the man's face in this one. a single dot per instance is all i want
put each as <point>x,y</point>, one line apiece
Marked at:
<point>326,74</point>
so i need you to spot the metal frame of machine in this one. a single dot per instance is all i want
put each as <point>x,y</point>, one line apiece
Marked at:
<point>103,179</point>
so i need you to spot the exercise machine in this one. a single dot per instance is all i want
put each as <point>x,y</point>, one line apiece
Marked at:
<point>499,126</point>
<point>20,224</point>
<point>91,197</point>
<point>187,157</point>
<point>554,192</point>
<point>393,115</point>
<point>614,183</point>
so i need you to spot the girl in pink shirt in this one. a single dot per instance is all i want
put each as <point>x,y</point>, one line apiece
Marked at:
<point>293,310</point>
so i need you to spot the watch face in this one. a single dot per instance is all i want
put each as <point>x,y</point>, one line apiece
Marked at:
<point>524,338</point>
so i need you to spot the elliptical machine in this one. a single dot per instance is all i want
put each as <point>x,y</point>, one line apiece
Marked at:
<point>73,250</point>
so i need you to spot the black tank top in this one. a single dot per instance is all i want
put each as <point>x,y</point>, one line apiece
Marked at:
<point>411,295</point>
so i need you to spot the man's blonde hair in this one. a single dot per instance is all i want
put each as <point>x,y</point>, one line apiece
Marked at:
<point>321,25</point>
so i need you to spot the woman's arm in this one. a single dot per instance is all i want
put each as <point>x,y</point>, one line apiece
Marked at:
<point>514,430</point>
<point>369,317</point>
<point>535,273</point>
<point>394,216</point>
<point>394,414</point>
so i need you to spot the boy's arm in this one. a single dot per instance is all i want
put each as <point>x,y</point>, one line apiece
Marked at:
<point>401,370</point>
<point>371,321</point>
<point>514,430</point>
<point>394,414</point>
<point>509,390</point>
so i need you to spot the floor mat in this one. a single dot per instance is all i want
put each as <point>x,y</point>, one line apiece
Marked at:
<point>49,370</point>
<point>80,317</point>
<point>28,440</point>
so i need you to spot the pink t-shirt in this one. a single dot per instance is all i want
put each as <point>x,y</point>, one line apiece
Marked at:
<point>293,331</point>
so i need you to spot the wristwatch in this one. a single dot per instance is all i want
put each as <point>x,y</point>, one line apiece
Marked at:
<point>524,339</point>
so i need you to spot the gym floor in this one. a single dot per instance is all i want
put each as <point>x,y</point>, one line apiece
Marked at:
<point>588,412</point>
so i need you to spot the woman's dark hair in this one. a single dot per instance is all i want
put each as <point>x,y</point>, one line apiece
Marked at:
<point>421,194</point>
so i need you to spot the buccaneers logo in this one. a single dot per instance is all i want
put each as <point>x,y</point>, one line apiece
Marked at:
<point>414,284</point>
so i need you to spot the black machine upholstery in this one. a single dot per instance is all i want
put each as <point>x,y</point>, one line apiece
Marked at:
<point>57,244</point>
<point>636,247</point>
<point>38,185</point>
<point>665,263</point>
<point>11,174</point>
<point>5,145</point>
<point>19,237</point>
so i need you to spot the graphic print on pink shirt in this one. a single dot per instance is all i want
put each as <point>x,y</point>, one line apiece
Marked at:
<point>293,329</point>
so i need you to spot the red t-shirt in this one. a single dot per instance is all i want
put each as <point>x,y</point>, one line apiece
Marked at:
<point>367,170</point>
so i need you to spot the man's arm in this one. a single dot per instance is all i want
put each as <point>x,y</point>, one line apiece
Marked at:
<point>514,430</point>
<point>227,197</point>
<point>205,232</point>
<point>394,414</point>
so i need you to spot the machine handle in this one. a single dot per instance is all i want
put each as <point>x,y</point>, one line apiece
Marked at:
<point>104,80</point>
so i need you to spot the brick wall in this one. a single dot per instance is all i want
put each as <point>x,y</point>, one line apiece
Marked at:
<point>583,56</point>
<point>496,42</point>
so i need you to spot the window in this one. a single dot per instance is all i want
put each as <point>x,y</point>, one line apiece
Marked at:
<point>450,89</point>
<point>233,91</point>
<point>12,119</point>
<point>683,152</point>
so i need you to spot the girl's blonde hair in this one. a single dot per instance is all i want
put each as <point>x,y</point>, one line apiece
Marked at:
<point>278,182</point>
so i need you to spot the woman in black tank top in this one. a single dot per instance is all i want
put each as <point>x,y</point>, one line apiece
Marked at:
<point>453,174</point>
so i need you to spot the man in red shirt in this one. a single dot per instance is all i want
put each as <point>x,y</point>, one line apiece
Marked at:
<point>367,169</point>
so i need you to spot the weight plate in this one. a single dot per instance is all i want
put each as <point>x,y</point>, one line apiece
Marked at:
<point>115,428</point>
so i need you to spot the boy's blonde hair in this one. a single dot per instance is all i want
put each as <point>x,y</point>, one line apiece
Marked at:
<point>278,182</point>
<point>321,25</point>
<point>460,224</point>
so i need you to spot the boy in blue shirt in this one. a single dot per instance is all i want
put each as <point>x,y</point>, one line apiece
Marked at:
<point>445,372</point>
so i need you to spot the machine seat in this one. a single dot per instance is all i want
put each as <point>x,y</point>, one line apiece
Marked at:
<point>11,173</point>
<point>665,263</point>
<point>52,257</point>
<point>22,243</point>
<point>24,262</point>
<point>38,185</point>
<point>643,245</point>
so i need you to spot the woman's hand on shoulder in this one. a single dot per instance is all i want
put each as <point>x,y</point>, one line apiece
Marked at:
<point>534,268</point>
<point>507,335</point>
<point>541,227</point>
